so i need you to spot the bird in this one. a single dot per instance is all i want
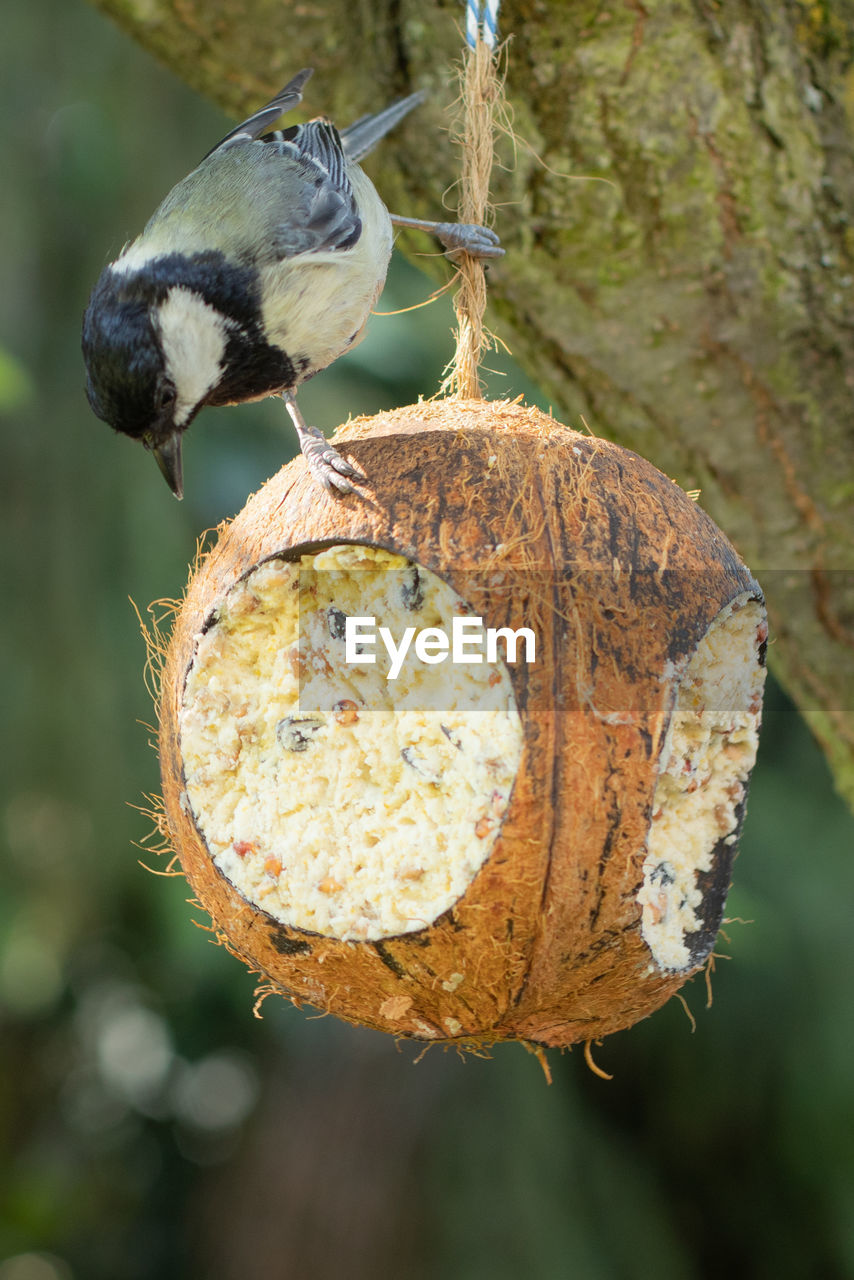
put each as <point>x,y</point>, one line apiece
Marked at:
<point>256,271</point>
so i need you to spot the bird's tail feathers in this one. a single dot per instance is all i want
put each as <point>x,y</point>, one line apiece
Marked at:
<point>362,136</point>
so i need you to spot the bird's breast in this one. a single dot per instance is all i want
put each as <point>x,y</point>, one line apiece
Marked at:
<point>316,306</point>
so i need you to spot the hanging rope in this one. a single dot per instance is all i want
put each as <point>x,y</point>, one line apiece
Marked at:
<point>480,95</point>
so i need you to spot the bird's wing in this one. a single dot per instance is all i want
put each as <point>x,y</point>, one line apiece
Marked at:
<point>319,213</point>
<point>261,200</point>
<point>305,200</point>
<point>285,100</point>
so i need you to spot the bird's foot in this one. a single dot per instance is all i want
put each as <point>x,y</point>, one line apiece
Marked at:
<point>325,462</point>
<point>458,238</point>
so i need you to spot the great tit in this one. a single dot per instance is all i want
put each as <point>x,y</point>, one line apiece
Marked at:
<point>259,269</point>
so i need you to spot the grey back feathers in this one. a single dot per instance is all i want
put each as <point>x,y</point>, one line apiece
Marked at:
<point>298,194</point>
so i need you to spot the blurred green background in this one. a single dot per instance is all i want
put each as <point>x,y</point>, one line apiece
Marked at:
<point>149,1125</point>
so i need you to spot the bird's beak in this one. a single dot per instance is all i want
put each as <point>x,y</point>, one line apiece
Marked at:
<point>168,457</point>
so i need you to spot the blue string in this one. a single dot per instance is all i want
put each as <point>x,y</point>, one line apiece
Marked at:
<point>482,21</point>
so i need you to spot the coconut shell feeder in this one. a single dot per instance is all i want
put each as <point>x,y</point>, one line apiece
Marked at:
<point>528,841</point>
<point>532,850</point>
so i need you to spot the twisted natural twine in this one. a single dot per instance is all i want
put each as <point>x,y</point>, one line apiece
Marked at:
<point>481,95</point>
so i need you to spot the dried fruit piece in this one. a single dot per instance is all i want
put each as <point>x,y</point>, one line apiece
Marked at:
<point>297,733</point>
<point>412,589</point>
<point>337,623</point>
<point>346,711</point>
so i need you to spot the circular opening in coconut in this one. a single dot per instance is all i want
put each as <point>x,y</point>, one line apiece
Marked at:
<point>699,798</point>
<point>342,786</point>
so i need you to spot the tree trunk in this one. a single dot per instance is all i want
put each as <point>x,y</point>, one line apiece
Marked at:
<point>678,219</point>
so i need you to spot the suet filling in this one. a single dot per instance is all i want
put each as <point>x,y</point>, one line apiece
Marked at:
<point>336,799</point>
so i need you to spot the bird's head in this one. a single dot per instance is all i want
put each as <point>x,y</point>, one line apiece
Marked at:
<point>153,353</point>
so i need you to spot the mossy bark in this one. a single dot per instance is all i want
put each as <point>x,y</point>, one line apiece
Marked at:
<point>678,219</point>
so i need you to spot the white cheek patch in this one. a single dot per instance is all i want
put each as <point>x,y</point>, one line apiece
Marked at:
<point>193,337</point>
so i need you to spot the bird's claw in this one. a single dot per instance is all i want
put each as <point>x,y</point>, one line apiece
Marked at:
<point>467,237</point>
<point>326,464</point>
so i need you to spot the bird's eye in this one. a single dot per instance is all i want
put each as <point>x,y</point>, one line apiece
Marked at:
<point>165,397</point>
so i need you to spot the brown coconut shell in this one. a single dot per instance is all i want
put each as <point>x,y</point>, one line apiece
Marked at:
<point>621,575</point>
